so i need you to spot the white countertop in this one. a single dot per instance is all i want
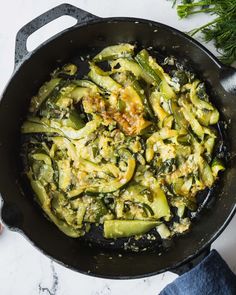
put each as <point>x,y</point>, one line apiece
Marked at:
<point>23,269</point>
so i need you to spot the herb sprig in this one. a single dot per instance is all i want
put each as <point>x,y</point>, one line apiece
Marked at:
<point>222,30</point>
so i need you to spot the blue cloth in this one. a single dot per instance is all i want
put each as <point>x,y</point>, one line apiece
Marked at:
<point>211,276</point>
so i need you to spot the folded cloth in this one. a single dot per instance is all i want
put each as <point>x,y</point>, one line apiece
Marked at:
<point>211,276</point>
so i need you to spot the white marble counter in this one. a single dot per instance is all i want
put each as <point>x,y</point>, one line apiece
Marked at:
<point>23,269</point>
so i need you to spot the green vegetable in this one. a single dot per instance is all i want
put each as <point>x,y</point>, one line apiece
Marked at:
<point>123,178</point>
<point>143,60</point>
<point>216,166</point>
<point>30,127</point>
<point>45,203</point>
<point>155,103</point>
<point>64,174</point>
<point>195,125</point>
<point>178,115</point>
<point>155,200</point>
<point>42,157</point>
<point>43,93</point>
<point>197,102</point>
<point>207,118</point>
<point>76,94</point>
<point>74,120</point>
<point>206,173</point>
<point>129,65</point>
<point>140,92</point>
<point>62,91</point>
<point>95,211</point>
<point>53,126</point>
<point>126,228</point>
<point>181,210</point>
<point>163,231</point>
<point>69,69</point>
<point>184,139</point>
<point>114,52</point>
<point>88,84</point>
<point>101,79</point>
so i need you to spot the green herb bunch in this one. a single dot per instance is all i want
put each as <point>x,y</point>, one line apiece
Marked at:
<point>222,30</point>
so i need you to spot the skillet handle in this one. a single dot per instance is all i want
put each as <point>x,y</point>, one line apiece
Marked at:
<point>183,268</point>
<point>64,9</point>
<point>11,215</point>
<point>228,79</point>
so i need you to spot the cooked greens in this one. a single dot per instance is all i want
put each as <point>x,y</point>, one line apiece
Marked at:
<point>122,147</point>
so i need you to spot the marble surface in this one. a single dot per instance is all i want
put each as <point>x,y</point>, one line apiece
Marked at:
<point>23,269</point>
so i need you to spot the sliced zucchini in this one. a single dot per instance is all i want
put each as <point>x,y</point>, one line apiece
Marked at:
<point>216,166</point>
<point>196,101</point>
<point>163,231</point>
<point>43,94</point>
<point>206,173</point>
<point>31,127</point>
<point>88,85</point>
<point>155,199</point>
<point>184,139</point>
<point>178,115</point>
<point>124,178</point>
<point>74,120</point>
<point>206,117</point>
<point>195,125</point>
<point>71,133</point>
<point>77,94</point>
<point>160,205</point>
<point>155,103</point>
<point>95,211</point>
<point>143,60</point>
<point>64,174</point>
<point>101,79</point>
<point>114,52</point>
<point>129,65</point>
<point>42,157</point>
<point>44,200</point>
<point>126,228</point>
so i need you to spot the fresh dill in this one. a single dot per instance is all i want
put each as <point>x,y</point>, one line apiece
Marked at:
<point>222,30</point>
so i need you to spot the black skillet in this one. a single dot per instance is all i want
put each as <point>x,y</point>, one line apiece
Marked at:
<point>93,255</point>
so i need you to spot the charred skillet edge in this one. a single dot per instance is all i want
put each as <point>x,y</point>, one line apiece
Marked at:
<point>64,9</point>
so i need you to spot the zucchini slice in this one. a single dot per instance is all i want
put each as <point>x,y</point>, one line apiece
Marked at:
<point>126,228</point>
<point>44,201</point>
<point>99,77</point>
<point>217,166</point>
<point>43,94</point>
<point>114,52</point>
<point>123,179</point>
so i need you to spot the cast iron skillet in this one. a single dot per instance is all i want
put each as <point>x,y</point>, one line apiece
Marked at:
<point>91,33</point>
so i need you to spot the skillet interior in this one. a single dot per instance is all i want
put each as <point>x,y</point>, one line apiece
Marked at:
<point>20,211</point>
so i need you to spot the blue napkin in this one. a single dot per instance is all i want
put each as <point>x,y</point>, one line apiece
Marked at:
<point>211,276</point>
